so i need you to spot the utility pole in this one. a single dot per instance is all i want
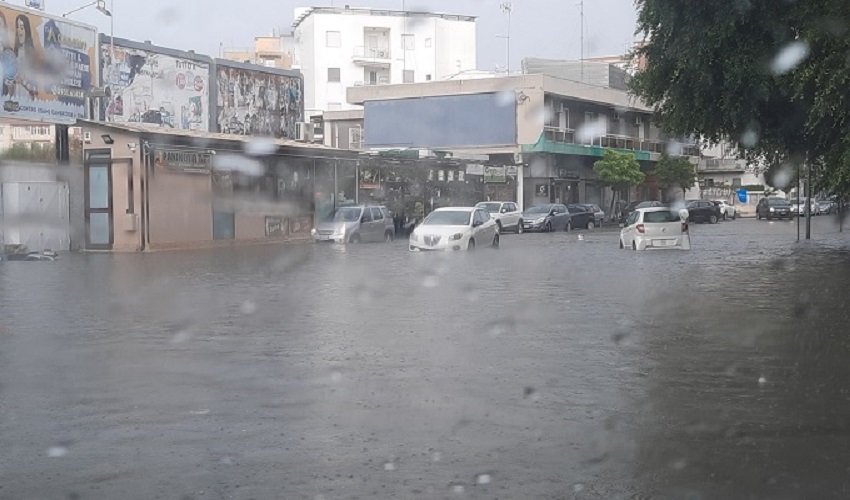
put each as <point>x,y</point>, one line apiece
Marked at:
<point>507,8</point>
<point>808,200</point>
<point>404,39</point>
<point>798,202</point>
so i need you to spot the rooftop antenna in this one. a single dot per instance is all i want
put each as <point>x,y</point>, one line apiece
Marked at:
<point>507,8</point>
<point>581,10</point>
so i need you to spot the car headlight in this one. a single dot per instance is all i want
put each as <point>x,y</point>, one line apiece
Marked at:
<point>771,209</point>
<point>414,236</point>
<point>340,230</point>
<point>455,236</point>
<point>313,231</point>
<point>540,220</point>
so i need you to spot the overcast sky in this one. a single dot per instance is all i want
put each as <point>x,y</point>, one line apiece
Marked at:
<point>540,28</point>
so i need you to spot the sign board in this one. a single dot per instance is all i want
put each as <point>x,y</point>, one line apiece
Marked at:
<point>565,173</point>
<point>369,179</point>
<point>180,161</point>
<point>49,64</point>
<point>541,190</point>
<point>495,174</point>
<point>275,226</point>
<point>743,195</point>
<point>474,169</point>
<point>150,87</point>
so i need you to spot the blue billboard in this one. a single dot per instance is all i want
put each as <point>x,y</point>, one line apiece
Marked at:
<point>441,122</point>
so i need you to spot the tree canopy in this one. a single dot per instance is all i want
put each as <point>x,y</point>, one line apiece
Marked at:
<point>769,74</point>
<point>675,172</point>
<point>618,170</point>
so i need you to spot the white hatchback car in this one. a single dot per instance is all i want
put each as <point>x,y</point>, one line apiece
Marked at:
<point>657,227</point>
<point>455,228</point>
<point>727,210</point>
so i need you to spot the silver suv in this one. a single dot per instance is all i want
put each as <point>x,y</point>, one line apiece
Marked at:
<point>356,224</point>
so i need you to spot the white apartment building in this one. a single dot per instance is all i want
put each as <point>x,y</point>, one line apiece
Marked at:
<point>342,47</point>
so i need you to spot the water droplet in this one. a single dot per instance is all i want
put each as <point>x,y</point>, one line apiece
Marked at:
<point>749,138</point>
<point>430,282</point>
<point>675,148</point>
<point>248,307</point>
<point>790,57</point>
<point>678,464</point>
<point>588,131</point>
<point>181,337</point>
<point>782,178</point>
<point>762,380</point>
<point>458,489</point>
<point>57,451</point>
<point>528,392</point>
<point>483,479</point>
<point>204,411</point>
<point>436,456</point>
<point>238,163</point>
<point>620,337</point>
<point>389,466</point>
<point>336,377</point>
<point>259,146</point>
<point>578,487</point>
<point>505,98</point>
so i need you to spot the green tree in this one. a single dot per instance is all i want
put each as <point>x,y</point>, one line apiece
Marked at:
<point>35,152</point>
<point>620,171</point>
<point>771,75</point>
<point>675,172</point>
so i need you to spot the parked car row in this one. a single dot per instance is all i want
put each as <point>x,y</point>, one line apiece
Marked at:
<point>546,217</point>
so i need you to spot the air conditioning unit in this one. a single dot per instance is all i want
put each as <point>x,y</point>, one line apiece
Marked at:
<point>87,137</point>
<point>301,131</point>
<point>638,120</point>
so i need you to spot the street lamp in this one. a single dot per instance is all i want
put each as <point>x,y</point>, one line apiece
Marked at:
<point>100,5</point>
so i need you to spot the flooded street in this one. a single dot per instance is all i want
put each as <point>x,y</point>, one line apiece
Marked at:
<point>552,368</point>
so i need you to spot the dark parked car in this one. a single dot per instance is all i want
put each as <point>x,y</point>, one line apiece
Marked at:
<point>547,218</point>
<point>581,216</point>
<point>631,207</point>
<point>773,208</point>
<point>703,211</point>
<point>598,214</point>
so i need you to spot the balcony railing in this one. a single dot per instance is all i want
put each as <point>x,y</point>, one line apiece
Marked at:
<point>721,165</point>
<point>384,80</point>
<point>568,135</point>
<point>372,55</point>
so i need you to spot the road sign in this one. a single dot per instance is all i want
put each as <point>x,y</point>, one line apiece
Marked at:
<point>743,195</point>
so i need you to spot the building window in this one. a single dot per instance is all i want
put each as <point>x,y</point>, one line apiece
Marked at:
<point>407,42</point>
<point>736,182</point>
<point>407,76</point>
<point>333,39</point>
<point>334,75</point>
<point>427,78</point>
<point>427,42</point>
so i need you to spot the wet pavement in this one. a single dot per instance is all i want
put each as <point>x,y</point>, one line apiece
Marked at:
<point>552,368</point>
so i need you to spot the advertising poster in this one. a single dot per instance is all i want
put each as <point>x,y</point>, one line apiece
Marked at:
<point>495,174</point>
<point>149,87</point>
<point>255,102</point>
<point>48,66</point>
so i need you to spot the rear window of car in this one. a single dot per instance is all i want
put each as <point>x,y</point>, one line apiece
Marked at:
<point>662,216</point>
<point>778,201</point>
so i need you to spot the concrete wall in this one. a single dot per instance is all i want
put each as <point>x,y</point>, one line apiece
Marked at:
<point>180,209</point>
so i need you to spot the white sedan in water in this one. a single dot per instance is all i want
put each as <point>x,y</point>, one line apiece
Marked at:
<point>657,227</point>
<point>455,228</point>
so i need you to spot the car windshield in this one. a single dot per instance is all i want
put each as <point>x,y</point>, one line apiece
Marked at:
<point>778,202</point>
<point>490,206</point>
<point>661,216</point>
<point>348,214</point>
<point>539,209</point>
<point>447,218</point>
<point>646,204</point>
<point>636,204</point>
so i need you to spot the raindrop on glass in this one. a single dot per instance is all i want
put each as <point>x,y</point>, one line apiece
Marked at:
<point>57,451</point>
<point>430,282</point>
<point>762,380</point>
<point>789,57</point>
<point>248,307</point>
<point>483,479</point>
<point>389,466</point>
<point>588,131</point>
<point>336,377</point>
<point>505,98</point>
<point>749,138</point>
<point>436,456</point>
<point>458,489</point>
<point>260,146</point>
<point>578,487</point>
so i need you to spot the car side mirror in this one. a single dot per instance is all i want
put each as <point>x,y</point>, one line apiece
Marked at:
<point>476,223</point>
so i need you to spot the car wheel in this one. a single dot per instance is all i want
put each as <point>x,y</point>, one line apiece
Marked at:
<point>499,227</point>
<point>724,215</point>
<point>496,241</point>
<point>712,219</point>
<point>758,215</point>
<point>634,246</point>
<point>354,239</point>
<point>622,246</point>
<point>519,228</point>
<point>389,237</point>
<point>470,245</point>
<point>568,227</point>
<point>590,224</point>
<point>548,227</point>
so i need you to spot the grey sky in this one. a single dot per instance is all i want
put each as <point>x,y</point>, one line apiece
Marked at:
<point>540,28</point>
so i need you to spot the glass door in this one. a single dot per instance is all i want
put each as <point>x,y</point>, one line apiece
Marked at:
<point>98,206</point>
